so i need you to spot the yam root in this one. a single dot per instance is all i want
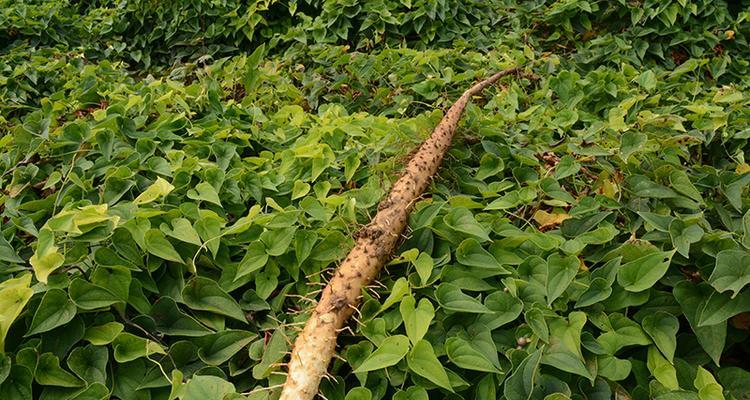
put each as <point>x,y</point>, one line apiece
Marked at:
<point>315,345</point>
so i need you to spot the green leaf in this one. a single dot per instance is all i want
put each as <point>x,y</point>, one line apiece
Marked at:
<point>520,384</point>
<point>732,271</point>
<point>332,247</point>
<point>49,373</point>
<point>182,230</point>
<point>504,308</point>
<point>94,391</point>
<point>89,363</point>
<point>104,334</point>
<point>424,264</point>
<point>203,387</point>
<point>274,353</point>
<point>719,307</point>
<point>599,290</point>
<point>17,385</point>
<point>616,119</point>
<point>304,241</point>
<point>412,393</point>
<point>423,362</point>
<point>564,351</point>
<point>128,347</point>
<point>170,320</point>
<point>389,353</point>
<point>267,280</point>
<point>359,393</point>
<point>631,142</point>
<point>657,221</point>
<point>209,229</point>
<point>461,353</point>
<point>88,296</point>
<point>489,165</point>
<point>647,80</point>
<point>486,388</point>
<point>5,366</point>
<point>205,295</point>
<point>107,257</point>
<point>471,254</point>
<point>254,259</point>
<point>560,273</point>
<point>662,327</point>
<point>568,166</point>
<point>565,118</point>
<point>277,241</point>
<point>642,186</point>
<point>7,253</point>
<point>680,182</point>
<point>244,223</point>
<point>622,332</point>
<point>462,220</point>
<point>692,299</point>
<point>535,319</point>
<point>56,309</point>
<point>158,245</point>
<point>643,273</point>
<point>683,235</point>
<point>733,191</point>
<point>613,368</point>
<point>451,298</point>
<point>398,291</point>
<point>553,189</point>
<point>217,348</point>
<point>736,381</point>
<point>416,319</point>
<point>204,192</point>
<point>159,188</point>
<point>114,279</point>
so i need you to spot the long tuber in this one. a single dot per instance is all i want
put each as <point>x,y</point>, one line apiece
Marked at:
<point>315,345</point>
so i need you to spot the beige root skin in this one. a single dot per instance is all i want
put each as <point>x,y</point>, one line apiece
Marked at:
<point>316,344</point>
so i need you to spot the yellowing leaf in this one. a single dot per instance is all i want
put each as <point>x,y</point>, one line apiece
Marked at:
<point>80,220</point>
<point>608,188</point>
<point>159,188</point>
<point>616,119</point>
<point>14,294</point>
<point>661,369</point>
<point>708,387</point>
<point>46,258</point>
<point>548,220</point>
<point>742,168</point>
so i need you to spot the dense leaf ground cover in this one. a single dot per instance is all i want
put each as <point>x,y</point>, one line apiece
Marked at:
<point>180,177</point>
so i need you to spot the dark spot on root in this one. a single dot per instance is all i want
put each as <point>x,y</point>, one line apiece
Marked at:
<point>370,232</point>
<point>385,204</point>
<point>339,303</point>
